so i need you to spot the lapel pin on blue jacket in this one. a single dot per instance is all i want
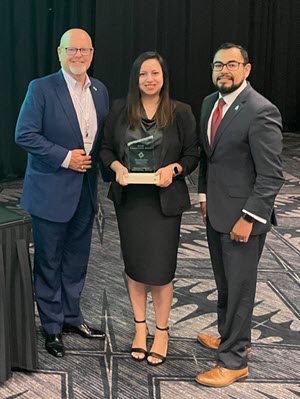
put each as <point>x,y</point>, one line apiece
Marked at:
<point>237,107</point>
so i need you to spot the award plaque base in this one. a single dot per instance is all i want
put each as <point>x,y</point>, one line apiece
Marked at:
<point>141,178</point>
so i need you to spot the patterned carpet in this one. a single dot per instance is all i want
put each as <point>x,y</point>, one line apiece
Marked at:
<point>96,370</point>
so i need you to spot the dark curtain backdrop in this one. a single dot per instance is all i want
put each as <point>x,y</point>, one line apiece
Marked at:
<point>185,32</point>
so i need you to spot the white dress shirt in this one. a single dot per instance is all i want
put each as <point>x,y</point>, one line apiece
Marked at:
<point>85,110</point>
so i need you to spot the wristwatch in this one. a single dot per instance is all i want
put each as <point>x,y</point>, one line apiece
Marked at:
<point>248,218</point>
<point>175,171</point>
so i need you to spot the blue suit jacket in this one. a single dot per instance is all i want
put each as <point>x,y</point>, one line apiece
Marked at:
<point>47,128</point>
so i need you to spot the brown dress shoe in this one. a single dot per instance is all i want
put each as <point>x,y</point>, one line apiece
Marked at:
<point>211,342</point>
<point>220,377</point>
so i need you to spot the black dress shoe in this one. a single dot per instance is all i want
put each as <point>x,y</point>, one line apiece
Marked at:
<point>84,330</point>
<point>54,345</point>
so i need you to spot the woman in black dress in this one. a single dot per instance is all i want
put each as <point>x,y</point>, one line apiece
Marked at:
<point>149,215</point>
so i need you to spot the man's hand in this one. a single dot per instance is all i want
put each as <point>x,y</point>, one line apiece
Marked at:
<point>203,211</point>
<point>241,230</point>
<point>79,161</point>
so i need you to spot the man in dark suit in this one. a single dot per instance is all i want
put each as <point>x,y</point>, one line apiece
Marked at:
<point>240,176</point>
<point>59,126</point>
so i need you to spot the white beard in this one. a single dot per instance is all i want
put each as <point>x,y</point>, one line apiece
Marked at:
<point>78,69</point>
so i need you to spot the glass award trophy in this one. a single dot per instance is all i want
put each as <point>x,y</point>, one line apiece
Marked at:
<point>141,162</point>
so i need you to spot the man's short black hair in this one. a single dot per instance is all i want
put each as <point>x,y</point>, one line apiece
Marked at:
<point>227,45</point>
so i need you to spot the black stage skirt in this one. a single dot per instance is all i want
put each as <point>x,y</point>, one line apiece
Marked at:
<point>149,239</point>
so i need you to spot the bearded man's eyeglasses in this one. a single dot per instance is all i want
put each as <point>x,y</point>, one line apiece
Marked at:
<point>231,65</point>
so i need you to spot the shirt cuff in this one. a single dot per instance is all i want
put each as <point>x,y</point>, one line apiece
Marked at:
<point>67,160</point>
<point>258,218</point>
<point>202,197</point>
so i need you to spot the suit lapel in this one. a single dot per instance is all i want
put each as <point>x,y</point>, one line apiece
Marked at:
<point>235,108</point>
<point>67,104</point>
<point>97,105</point>
<point>94,90</point>
<point>232,112</point>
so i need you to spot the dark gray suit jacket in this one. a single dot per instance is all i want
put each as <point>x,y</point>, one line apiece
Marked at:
<point>179,145</point>
<point>243,169</point>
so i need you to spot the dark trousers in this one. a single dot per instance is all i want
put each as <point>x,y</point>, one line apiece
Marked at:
<point>60,265</point>
<point>235,270</point>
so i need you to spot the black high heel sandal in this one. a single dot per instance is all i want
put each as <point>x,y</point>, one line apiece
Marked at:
<point>140,350</point>
<point>158,355</point>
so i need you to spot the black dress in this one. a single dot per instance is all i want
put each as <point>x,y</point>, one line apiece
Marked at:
<point>149,239</point>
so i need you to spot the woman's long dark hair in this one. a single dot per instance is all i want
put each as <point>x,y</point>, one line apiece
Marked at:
<point>164,113</point>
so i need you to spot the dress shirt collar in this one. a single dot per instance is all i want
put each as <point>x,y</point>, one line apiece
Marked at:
<point>73,83</point>
<point>230,98</point>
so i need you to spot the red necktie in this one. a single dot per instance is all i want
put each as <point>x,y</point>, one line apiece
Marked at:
<point>216,120</point>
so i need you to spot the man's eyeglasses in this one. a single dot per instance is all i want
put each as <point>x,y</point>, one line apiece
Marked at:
<point>73,50</point>
<point>231,65</point>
